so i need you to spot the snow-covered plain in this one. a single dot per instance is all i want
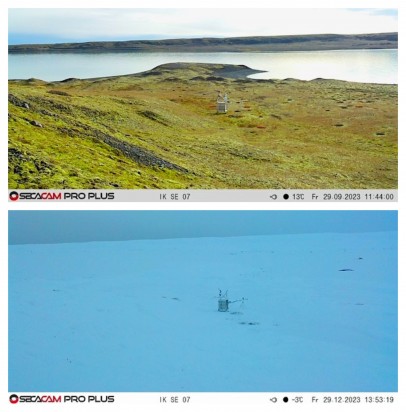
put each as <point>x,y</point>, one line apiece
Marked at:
<point>142,315</point>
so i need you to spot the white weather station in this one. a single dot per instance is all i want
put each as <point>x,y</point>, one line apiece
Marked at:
<point>224,302</point>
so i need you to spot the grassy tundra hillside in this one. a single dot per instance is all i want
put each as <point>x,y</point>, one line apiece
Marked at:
<point>160,129</point>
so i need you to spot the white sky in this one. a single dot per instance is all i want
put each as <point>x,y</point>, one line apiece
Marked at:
<point>89,24</point>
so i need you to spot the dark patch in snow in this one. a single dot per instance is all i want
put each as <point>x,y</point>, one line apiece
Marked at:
<point>249,323</point>
<point>346,270</point>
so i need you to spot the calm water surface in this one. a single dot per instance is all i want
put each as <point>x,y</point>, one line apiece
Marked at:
<point>368,66</point>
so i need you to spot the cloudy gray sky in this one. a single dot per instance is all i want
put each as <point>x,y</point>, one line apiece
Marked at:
<point>85,226</point>
<point>76,25</point>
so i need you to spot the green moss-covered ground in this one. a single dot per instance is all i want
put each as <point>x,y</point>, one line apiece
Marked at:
<point>160,129</point>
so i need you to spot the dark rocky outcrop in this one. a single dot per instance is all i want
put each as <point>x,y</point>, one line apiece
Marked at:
<point>18,102</point>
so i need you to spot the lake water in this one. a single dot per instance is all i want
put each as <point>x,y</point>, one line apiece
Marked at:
<point>368,66</point>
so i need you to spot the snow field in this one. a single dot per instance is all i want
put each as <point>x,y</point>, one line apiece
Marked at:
<point>141,315</point>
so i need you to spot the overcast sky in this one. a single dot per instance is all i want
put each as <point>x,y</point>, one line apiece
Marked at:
<point>85,226</point>
<point>76,25</point>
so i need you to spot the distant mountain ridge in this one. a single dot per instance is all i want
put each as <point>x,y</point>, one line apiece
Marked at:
<point>230,44</point>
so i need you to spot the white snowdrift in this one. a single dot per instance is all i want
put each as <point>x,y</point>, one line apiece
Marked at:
<point>142,315</point>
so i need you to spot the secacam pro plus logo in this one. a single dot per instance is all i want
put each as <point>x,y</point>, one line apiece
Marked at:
<point>35,398</point>
<point>14,196</point>
<point>58,399</point>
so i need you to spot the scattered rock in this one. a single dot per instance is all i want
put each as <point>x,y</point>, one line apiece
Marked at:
<point>152,73</point>
<point>69,132</point>
<point>15,154</point>
<point>70,79</point>
<point>249,323</point>
<point>42,166</point>
<point>215,79</point>
<point>172,79</point>
<point>153,116</point>
<point>35,123</point>
<point>133,152</point>
<point>17,102</point>
<point>58,92</point>
<point>48,113</point>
